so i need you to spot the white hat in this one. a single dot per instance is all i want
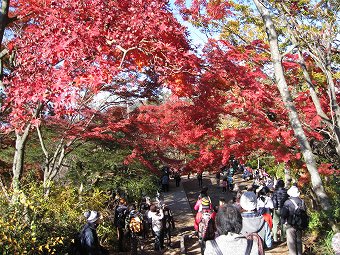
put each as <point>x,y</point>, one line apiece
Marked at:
<point>293,192</point>
<point>92,216</point>
<point>248,201</point>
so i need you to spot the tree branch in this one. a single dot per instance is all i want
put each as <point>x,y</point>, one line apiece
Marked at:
<point>42,144</point>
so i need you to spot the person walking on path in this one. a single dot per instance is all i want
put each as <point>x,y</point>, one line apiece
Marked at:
<point>205,223</point>
<point>229,240</point>
<point>177,178</point>
<point>218,178</point>
<point>121,212</point>
<point>165,182</point>
<point>252,222</point>
<point>294,235</point>
<point>156,217</point>
<point>168,224</point>
<point>279,197</point>
<point>265,205</point>
<point>224,184</point>
<point>88,236</point>
<point>203,194</point>
<point>200,179</point>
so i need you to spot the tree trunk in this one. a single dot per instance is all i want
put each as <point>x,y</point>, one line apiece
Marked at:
<point>4,17</point>
<point>288,178</point>
<point>4,20</point>
<point>18,159</point>
<point>290,107</point>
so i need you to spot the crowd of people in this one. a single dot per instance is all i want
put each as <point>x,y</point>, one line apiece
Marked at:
<point>155,221</point>
<point>254,220</point>
<point>264,214</point>
<point>134,226</point>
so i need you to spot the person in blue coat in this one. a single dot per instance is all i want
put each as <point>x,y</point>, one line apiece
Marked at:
<point>89,238</point>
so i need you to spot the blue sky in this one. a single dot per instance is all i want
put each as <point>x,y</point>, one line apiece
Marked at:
<point>197,38</point>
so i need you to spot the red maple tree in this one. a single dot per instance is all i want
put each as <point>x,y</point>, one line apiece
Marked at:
<point>70,53</point>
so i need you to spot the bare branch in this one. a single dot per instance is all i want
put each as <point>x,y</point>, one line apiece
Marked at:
<point>42,144</point>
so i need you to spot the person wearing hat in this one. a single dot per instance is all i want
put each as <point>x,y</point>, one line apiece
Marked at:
<point>89,239</point>
<point>252,222</point>
<point>294,236</point>
<point>206,209</point>
<point>203,194</point>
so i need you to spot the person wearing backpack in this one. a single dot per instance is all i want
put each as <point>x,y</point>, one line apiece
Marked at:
<point>279,197</point>
<point>144,209</point>
<point>205,223</point>
<point>293,215</point>
<point>134,225</point>
<point>89,241</point>
<point>229,240</point>
<point>265,205</point>
<point>253,222</point>
<point>121,212</point>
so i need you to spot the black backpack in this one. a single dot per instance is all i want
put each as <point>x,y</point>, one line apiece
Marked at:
<point>300,218</point>
<point>120,215</point>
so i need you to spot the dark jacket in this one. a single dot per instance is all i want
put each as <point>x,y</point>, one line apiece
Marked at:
<point>289,208</point>
<point>279,197</point>
<point>120,214</point>
<point>89,240</point>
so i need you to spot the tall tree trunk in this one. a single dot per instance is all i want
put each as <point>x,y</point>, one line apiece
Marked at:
<point>4,20</point>
<point>18,159</point>
<point>290,107</point>
<point>4,17</point>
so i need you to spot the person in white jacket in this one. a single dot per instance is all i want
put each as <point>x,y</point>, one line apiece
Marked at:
<point>156,217</point>
<point>264,202</point>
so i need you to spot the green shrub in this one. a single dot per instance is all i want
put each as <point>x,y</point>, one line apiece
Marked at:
<point>324,244</point>
<point>46,225</point>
